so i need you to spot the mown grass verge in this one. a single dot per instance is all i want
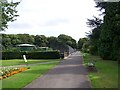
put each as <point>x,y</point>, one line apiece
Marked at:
<point>22,62</point>
<point>107,74</point>
<point>22,79</point>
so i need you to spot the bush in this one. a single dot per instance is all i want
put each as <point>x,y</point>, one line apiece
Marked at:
<point>93,50</point>
<point>11,55</point>
<point>44,55</point>
<point>31,55</point>
<point>62,55</point>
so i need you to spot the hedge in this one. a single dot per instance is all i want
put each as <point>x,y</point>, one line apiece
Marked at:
<point>44,55</point>
<point>31,55</point>
<point>11,55</point>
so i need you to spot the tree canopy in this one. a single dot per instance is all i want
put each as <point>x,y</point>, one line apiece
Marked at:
<point>8,13</point>
<point>105,36</point>
<point>11,40</point>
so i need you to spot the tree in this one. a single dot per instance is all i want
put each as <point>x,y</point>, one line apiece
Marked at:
<point>7,13</point>
<point>94,23</point>
<point>68,40</point>
<point>6,41</point>
<point>110,33</point>
<point>11,40</point>
<point>81,42</point>
<point>40,40</point>
<point>14,39</point>
<point>56,44</point>
<point>52,42</point>
<point>94,36</point>
<point>86,47</point>
<point>105,36</point>
<point>25,38</point>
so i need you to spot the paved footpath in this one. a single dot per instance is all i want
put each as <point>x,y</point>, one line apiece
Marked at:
<point>69,74</point>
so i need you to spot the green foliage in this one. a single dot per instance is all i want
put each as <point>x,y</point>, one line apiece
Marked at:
<point>8,13</point>
<point>105,37</point>
<point>26,77</point>
<point>9,41</point>
<point>31,55</point>
<point>56,44</point>
<point>94,36</point>
<point>107,75</point>
<point>44,55</point>
<point>68,40</point>
<point>12,55</point>
<point>109,38</point>
<point>40,40</point>
<point>94,23</point>
<point>81,42</point>
<point>85,47</point>
<point>12,49</point>
<point>24,38</point>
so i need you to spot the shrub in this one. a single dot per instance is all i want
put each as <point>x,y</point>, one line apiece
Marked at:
<point>44,55</point>
<point>62,55</point>
<point>31,55</point>
<point>12,55</point>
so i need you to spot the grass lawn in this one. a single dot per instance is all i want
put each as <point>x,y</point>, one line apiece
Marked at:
<point>22,79</point>
<point>107,75</point>
<point>22,62</point>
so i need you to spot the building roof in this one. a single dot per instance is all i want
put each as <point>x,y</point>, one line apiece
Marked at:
<point>28,45</point>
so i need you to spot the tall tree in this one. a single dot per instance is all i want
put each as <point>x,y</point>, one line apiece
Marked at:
<point>6,41</point>
<point>94,36</point>
<point>25,38</point>
<point>14,39</point>
<point>110,33</point>
<point>7,13</point>
<point>81,42</point>
<point>68,40</point>
<point>40,40</point>
<point>54,43</point>
<point>105,37</point>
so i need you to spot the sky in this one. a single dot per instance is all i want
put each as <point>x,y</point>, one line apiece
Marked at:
<point>53,17</point>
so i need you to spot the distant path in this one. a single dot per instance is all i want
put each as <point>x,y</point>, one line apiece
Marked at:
<point>27,64</point>
<point>69,74</point>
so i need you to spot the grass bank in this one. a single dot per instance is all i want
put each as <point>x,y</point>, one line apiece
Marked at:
<point>22,62</point>
<point>22,79</point>
<point>107,75</point>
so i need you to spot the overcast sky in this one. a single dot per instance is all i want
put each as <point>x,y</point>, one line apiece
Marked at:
<point>53,17</point>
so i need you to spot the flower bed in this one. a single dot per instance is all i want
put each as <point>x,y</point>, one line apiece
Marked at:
<point>6,72</point>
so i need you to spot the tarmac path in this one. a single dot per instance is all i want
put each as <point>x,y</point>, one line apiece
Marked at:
<point>71,73</point>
